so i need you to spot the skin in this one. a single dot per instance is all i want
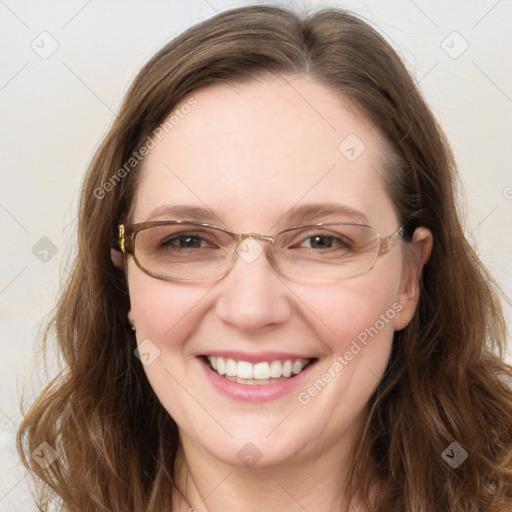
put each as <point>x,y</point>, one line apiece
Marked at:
<point>250,153</point>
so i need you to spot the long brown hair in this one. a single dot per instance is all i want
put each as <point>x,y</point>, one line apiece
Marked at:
<point>446,380</point>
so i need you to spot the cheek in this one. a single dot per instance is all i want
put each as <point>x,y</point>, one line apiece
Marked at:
<point>166,314</point>
<point>355,327</point>
<point>157,305</point>
<point>361,310</point>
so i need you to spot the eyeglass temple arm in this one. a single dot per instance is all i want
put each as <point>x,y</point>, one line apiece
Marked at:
<point>121,238</point>
<point>388,243</point>
<point>118,240</point>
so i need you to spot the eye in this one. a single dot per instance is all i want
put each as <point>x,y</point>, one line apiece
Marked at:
<point>184,241</point>
<point>325,241</point>
<point>187,241</point>
<point>320,241</point>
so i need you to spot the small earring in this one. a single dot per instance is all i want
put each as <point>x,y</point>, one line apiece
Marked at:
<point>133,327</point>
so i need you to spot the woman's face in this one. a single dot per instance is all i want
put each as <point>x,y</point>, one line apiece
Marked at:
<point>254,157</point>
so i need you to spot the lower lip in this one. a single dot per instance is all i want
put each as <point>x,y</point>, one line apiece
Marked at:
<point>257,392</point>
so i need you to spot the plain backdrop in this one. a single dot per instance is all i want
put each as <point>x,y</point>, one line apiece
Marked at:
<point>64,68</point>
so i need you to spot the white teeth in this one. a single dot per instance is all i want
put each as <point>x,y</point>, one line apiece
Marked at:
<point>244,370</point>
<point>276,369</point>
<point>296,367</point>
<point>287,368</point>
<point>221,366</point>
<point>262,371</point>
<point>231,368</point>
<point>259,373</point>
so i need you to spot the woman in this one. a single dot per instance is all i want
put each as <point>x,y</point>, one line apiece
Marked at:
<point>273,305</point>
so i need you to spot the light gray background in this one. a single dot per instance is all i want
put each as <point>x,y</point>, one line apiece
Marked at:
<point>55,110</point>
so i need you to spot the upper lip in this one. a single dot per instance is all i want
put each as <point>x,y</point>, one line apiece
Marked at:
<point>256,357</point>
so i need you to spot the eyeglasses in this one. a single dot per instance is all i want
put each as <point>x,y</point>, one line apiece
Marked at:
<point>191,252</point>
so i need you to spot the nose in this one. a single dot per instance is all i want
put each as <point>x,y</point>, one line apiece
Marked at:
<point>252,295</point>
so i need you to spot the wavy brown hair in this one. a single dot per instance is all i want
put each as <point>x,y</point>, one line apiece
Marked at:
<point>446,380</point>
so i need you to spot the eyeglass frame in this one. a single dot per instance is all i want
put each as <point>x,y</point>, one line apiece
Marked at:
<point>126,243</point>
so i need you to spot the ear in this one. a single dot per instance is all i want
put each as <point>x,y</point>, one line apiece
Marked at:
<point>117,258</point>
<point>420,249</point>
<point>131,318</point>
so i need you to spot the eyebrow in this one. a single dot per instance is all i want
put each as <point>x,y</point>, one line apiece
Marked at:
<point>307,213</point>
<point>183,212</point>
<point>324,212</point>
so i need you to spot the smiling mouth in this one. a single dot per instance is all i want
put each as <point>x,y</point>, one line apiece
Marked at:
<point>262,373</point>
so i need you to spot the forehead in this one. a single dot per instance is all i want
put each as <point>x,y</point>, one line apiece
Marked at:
<point>251,152</point>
